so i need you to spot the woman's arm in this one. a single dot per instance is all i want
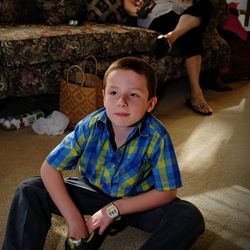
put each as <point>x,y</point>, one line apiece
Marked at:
<point>55,185</point>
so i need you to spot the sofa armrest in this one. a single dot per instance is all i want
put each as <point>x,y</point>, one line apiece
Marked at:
<point>213,43</point>
<point>220,11</point>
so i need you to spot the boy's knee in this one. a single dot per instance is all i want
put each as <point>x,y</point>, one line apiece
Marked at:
<point>192,216</point>
<point>31,182</point>
<point>185,216</point>
<point>28,186</point>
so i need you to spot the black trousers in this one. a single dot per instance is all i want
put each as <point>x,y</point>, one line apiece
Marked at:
<point>191,42</point>
<point>173,226</point>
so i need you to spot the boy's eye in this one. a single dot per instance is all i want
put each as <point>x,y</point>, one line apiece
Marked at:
<point>134,95</point>
<point>112,92</point>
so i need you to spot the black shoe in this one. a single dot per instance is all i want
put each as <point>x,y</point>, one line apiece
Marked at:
<point>162,46</point>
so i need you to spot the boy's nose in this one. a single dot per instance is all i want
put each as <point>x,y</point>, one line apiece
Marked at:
<point>122,101</point>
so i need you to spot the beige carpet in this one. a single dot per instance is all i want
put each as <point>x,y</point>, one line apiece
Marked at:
<point>214,157</point>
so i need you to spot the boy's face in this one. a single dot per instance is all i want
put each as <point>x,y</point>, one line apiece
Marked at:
<point>126,98</point>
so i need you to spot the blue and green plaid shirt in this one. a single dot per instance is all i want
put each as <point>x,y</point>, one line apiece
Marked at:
<point>145,161</point>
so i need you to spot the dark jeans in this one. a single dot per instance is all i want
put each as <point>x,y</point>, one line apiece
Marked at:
<point>189,43</point>
<point>173,226</point>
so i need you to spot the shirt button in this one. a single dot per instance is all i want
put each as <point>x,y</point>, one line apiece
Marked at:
<point>113,165</point>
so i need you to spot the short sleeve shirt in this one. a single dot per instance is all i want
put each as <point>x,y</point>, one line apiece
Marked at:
<point>145,161</point>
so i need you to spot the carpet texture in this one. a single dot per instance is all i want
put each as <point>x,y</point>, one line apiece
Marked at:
<point>214,158</point>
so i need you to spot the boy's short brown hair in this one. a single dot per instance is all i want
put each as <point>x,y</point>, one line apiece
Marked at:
<point>139,66</point>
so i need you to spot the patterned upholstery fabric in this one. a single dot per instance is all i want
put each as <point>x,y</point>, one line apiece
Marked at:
<point>9,11</point>
<point>33,57</point>
<point>41,11</point>
<point>60,12</point>
<point>240,62</point>
<point>212,41</point>
<point>106,11</point>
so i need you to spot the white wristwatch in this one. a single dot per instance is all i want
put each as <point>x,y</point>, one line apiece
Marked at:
<point>112,211</point>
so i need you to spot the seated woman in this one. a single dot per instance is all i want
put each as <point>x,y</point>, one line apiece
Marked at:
<point>182,22</point>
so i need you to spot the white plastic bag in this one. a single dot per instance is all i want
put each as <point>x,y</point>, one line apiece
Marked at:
<point>54,124</point>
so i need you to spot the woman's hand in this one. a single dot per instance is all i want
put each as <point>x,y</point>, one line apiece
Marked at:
<point>187,3</point>
<point>132,6</point>
<point>139,4</point>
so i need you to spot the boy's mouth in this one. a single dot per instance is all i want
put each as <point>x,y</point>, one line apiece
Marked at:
<point>122,114</point>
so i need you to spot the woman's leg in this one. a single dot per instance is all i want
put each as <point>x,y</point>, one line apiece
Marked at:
<point>187,32</point>
<point>186,23</point>
<point>193,65</point>
<point>188,35</point>
<point>196,15</point>
<point>165,23</point>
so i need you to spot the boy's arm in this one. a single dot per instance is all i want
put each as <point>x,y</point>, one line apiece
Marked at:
<point>55,185</point>
<point>146,201</point>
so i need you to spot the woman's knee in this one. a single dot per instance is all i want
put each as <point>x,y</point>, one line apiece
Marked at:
<point>202,9</point>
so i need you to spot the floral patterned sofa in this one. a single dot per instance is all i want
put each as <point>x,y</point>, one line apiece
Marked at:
<point>37,43</point>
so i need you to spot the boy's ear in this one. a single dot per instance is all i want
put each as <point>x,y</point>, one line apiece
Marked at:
<point>152,102</point>
<point>103,96</point>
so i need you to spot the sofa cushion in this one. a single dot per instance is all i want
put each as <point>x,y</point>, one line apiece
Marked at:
<point>33,57</point>
<point>106,11</point>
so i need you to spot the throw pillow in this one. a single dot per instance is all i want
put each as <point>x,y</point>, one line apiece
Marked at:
<point>42,11</point>
<point>106,11</point>
<point>59,12</point>
<point>9,11</point>
<point>19,11</point>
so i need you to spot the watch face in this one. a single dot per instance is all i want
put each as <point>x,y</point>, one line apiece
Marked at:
<point>113,212</point>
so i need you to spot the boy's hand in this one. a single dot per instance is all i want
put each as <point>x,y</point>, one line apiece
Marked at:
<point>99,220</point>
<point>77,230</point>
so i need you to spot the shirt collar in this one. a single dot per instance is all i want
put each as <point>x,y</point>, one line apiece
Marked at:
<point>142,126</point>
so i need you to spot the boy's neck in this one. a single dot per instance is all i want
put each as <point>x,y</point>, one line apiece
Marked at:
<point>121,134</point>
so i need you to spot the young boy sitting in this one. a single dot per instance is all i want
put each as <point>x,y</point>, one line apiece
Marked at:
<point>127,157</point>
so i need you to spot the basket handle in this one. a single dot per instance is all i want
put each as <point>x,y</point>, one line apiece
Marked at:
<point>94,58</point>
<point>80,69</point>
